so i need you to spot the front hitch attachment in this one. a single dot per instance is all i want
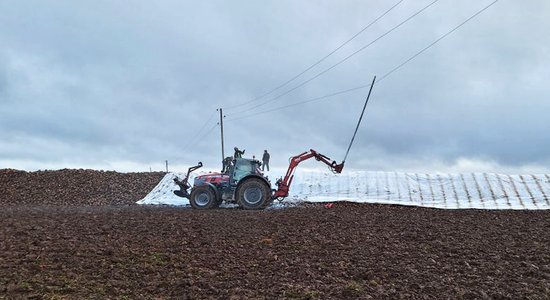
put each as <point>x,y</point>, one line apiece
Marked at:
<point>184,184</point>
<point>182,192</point>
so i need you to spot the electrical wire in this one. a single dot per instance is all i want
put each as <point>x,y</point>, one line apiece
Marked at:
<point>339,62</point>
<point>319,61</point>
<point>210,130</point>
<point>200,130</point>
<point>298,103</point>
<point>202,137</point>
<point>439,39</point>
<point>379,80</point>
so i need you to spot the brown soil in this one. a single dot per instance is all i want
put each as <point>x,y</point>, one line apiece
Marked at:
<point>349,251</point>
<point>75,187</point>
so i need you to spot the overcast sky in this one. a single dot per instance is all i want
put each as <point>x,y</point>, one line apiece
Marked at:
<point>126,85</point>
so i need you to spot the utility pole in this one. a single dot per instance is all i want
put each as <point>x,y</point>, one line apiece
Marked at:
<point>166,166</point>
<point>221,127</point>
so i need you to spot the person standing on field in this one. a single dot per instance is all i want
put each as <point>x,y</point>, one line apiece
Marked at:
<point>265,160</point>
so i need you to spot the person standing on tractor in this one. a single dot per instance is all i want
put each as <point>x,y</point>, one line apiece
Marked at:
<point>238,153</point>
<point>227,164</point>
<point>265,160</point>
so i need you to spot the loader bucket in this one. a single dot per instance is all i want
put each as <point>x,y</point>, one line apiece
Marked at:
<point>182,194</point>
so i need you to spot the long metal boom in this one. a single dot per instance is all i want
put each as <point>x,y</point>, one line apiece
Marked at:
<point>360,118</point>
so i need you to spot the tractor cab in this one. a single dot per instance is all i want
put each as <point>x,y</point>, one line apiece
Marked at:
<point>243,167</point>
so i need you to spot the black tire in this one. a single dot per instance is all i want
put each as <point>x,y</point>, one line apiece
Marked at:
<point>203,197</point>
<point>254,193</point>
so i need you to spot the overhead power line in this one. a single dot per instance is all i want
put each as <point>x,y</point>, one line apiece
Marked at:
<point>319,61</point>
<point>439,39</point>
<point>298,103</point>
<point>200,130</point>
<point>339,62</point>
<point>210,130</point>
<point>193,143</point>
<point>381,78</point>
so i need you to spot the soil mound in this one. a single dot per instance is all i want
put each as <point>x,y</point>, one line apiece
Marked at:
<point>74,187</point>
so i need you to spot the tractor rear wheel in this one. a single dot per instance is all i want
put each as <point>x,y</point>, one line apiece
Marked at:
<point>203,197</point>
<point>254,194</point>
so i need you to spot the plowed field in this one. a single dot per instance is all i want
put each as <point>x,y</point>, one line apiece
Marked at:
<point>348,251</point>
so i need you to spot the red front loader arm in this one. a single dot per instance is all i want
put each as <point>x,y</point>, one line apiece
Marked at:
<point>283,185</point>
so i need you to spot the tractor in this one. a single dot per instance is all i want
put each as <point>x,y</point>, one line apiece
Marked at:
<point>243,183</point>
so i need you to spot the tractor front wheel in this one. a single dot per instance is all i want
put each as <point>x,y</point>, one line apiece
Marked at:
<point>203,197</point>
<point>254,194</point>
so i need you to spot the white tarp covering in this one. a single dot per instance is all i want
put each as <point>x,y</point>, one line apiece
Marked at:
<point>448,191</point>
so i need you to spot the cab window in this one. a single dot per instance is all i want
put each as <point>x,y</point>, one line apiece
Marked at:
<point>242,168</point>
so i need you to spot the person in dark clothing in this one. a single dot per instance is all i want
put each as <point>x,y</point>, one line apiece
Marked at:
<point>227,164</point>
<point>265,160</point>
<point>238,153</point>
